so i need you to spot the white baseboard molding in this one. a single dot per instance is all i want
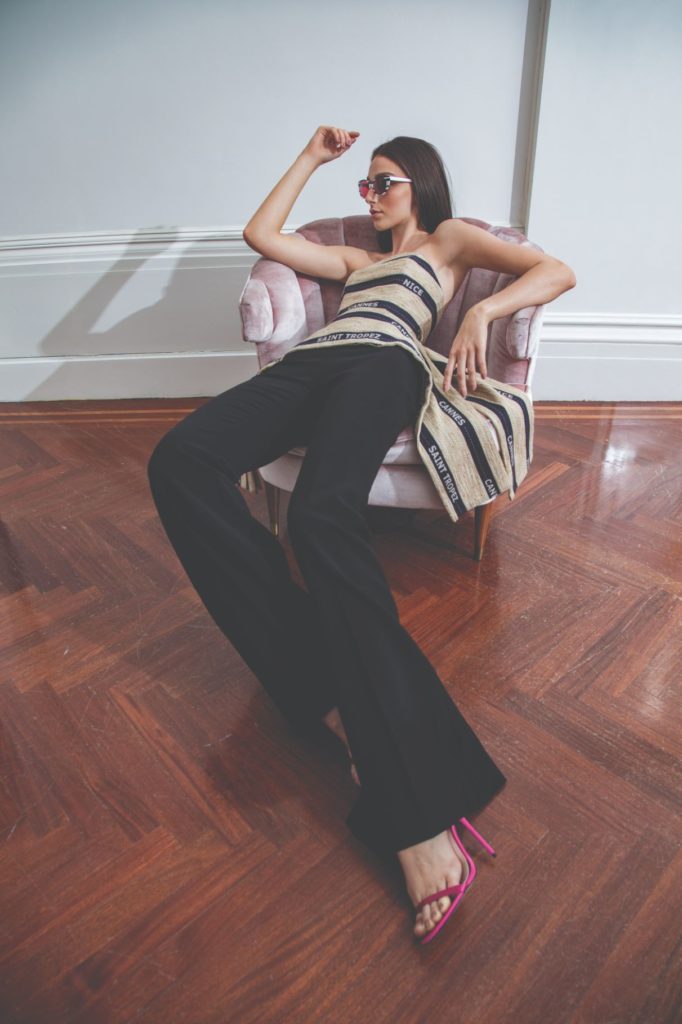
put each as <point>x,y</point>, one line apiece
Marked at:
<point>607,379</point>
<point>559,377</point>
<point>161,375</point>
<point>609,358</point>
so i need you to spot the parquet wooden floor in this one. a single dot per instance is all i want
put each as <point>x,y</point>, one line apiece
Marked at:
<point>171,852</point>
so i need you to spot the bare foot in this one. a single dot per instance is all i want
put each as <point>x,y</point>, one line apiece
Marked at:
<point>429,866</point>
<point>333,720</point>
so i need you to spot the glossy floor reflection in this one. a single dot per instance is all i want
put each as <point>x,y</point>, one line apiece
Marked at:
<point>170,851</point>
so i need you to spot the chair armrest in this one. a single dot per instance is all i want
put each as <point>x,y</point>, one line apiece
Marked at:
<point>255,309</point>
<point>271,305</point>
<point>513,346</point>
<point>522,336</point>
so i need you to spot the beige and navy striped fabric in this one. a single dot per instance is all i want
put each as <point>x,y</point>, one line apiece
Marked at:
<point>399,301</point>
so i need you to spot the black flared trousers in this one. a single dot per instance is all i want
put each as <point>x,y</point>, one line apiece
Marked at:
<point>340,641</point>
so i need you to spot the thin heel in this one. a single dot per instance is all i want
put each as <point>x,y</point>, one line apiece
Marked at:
<point>482,841</point>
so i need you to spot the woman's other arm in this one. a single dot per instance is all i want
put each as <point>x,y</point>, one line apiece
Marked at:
<point>263,232</point>
<point>541,278</point>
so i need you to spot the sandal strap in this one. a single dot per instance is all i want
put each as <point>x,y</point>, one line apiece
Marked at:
<point>451,890</point>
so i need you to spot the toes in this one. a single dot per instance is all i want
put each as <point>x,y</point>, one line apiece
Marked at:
<point>438,908</point>
<point>422,926</point>
<point>436,913</point>
<point>430,914</point>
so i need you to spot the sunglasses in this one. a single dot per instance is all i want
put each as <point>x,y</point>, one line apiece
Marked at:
<point>381,184</point>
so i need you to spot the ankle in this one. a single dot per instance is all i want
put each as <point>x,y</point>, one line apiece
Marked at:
<point>418,850</point>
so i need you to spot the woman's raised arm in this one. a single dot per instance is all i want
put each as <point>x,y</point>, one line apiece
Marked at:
<point>263,232</point>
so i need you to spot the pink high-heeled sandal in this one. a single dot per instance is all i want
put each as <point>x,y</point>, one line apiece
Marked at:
<point>455,892</point>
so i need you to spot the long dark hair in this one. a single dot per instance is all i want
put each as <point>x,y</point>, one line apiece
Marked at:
<point>423,163</point>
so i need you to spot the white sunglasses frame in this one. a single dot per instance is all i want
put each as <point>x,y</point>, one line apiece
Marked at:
<point>382,174</point>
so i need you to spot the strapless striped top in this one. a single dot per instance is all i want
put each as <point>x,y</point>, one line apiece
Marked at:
<point>399,301</point>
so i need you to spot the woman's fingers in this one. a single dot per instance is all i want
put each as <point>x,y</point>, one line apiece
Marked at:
<point>330,142</point>
<point>482,368</point>
<point>463,360</point>
<point>471,370</point>
<point>461,374</point>
<point>331,135</point>
<point>343,139</point>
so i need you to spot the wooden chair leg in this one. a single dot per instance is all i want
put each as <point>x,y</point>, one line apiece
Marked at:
<point>272,496</point>
<point>481,523</point>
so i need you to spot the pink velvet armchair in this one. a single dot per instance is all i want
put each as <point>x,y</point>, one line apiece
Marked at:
<point>279,307</point>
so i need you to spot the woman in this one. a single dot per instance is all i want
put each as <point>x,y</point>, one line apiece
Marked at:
<point>337,652</point>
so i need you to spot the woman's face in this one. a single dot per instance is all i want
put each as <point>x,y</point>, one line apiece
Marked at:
<point>396,205</point>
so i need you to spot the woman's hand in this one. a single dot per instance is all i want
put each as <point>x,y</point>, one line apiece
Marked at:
<point>466,351</point>
<point>328,143</point>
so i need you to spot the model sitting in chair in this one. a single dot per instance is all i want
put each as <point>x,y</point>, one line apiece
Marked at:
<point>337,653</point>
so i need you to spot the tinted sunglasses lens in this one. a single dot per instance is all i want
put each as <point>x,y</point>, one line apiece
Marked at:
<point>380,185</point>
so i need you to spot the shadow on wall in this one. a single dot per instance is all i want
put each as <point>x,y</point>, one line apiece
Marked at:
<point>189,312</point>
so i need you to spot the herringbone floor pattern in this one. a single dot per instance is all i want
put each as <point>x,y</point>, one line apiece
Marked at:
<point>170,852</point>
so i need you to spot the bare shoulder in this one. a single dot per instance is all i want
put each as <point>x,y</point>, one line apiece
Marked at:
<point>452,239</point>
<point>335,262</point>
<point>465,246</point>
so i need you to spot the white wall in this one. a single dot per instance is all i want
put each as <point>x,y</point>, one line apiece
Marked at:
<point>121,114</point>
<point>140,135</point>
<point>606,195</point>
